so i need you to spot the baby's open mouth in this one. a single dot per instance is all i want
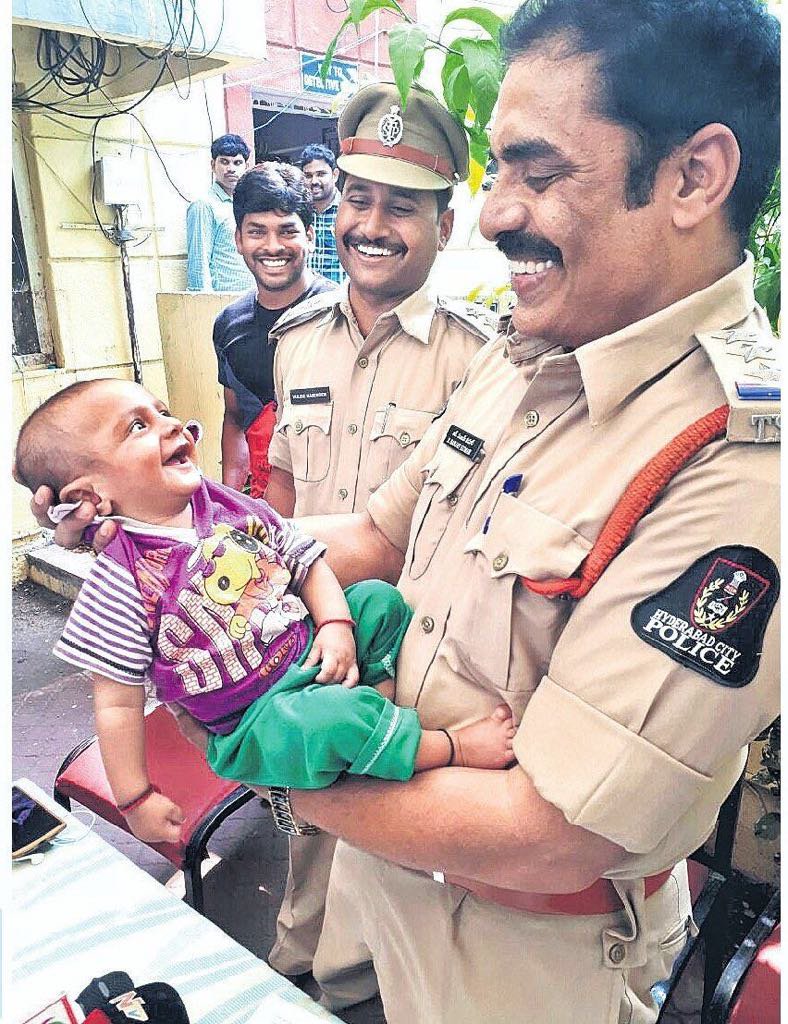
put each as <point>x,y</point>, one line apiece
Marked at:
<point>179,457</point>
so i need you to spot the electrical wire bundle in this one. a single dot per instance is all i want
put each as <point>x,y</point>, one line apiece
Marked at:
<point>79,66</point>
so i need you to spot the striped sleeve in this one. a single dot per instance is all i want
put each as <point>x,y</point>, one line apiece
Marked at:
<point>297,549</point>
<point>106,631</point>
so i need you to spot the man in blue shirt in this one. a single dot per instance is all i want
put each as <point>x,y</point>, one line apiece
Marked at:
<point>320,170</point>
<point>213,262</point>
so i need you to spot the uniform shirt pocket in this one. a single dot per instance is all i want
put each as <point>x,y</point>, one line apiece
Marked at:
<point>308,432</point>
<point>518,540</point>
<point>445,479</point>
<point>395,433</point>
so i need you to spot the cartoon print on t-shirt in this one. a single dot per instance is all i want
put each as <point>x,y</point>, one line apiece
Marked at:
<point>239,572</point>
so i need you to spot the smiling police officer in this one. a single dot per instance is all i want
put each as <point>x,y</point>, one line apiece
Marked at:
<point>360,374</point>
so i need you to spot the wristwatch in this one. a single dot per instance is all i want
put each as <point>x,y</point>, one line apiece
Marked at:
<point>284,818</point>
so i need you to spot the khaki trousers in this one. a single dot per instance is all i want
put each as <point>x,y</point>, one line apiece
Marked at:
<point>300,919</point>
<point>442,956</point>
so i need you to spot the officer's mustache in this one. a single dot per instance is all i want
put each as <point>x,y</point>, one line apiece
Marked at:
<point>380,243</point>
<point>520,246</point>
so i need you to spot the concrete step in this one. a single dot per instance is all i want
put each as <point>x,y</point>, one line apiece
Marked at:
<point>58,569</point>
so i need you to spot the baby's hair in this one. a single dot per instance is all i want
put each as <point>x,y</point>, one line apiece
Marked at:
<point>51,447</point>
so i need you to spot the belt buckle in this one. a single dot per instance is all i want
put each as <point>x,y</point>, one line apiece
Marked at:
<point>439,876</point>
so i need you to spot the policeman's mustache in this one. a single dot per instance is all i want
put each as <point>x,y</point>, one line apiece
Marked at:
<point>380,243</point>
<point>520,246</point>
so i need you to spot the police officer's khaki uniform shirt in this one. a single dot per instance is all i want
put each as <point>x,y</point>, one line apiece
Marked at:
<point>624,738</point>
<point>351,409</point>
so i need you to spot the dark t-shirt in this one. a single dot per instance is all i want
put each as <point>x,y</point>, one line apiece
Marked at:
<point>246,360</point>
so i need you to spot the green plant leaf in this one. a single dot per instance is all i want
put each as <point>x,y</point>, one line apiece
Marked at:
<point>767,294</point>
<point>451,62</point>
<point>406,51</point>
<point>457,92</point>
<point>482,58</point>
<point>490,22</point>
<point>360,9</point>
<point>326,65</point>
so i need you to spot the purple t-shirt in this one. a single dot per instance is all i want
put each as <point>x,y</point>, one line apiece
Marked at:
<point>211,615</point>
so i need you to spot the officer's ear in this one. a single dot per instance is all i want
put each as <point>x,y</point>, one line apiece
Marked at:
<point>310,237</point>
<point>706,167</point>
<point>445,227</point>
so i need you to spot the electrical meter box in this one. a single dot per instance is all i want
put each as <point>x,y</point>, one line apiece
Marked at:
<point>117,181</point>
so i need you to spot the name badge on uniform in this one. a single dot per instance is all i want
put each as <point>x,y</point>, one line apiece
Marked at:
<point>465,443</point>
<point>319,395</point>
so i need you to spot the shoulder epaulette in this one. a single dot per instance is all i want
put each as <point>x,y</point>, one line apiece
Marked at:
<point>303,312</point>
<point>481,320</point>
<point>747,360</point>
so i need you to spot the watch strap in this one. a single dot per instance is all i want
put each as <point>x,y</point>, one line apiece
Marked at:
<point>284,818</point>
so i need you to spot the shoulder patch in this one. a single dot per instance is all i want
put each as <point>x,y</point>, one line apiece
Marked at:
<point>481,320</point>
<point>747,361</point>
<point>713,616</point>
<point>303,312</point>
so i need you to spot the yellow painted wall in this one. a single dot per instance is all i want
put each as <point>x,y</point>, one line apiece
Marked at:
<point>80,268</point>
<point>186,325</point>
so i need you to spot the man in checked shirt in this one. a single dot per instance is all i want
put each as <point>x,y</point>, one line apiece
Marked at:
<point>321,172</point>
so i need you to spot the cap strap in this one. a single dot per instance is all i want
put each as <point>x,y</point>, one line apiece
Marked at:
<point>411,155</point>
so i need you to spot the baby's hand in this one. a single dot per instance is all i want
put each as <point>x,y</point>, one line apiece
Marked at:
<point>335,647</point>
<point>156,820</point>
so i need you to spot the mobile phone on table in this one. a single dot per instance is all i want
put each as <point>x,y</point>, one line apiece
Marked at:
<point>31,823</point>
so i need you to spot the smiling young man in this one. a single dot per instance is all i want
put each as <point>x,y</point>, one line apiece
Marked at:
<point>274,236</point>
<point>321,172</point>
<point>213,263</point>
<point>361,374</point>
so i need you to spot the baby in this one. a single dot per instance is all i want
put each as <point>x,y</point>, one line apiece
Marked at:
<point>230,611</point>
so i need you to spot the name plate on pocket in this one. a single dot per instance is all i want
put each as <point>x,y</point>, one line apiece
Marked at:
<point>311,396</point>
<point>465,443</point>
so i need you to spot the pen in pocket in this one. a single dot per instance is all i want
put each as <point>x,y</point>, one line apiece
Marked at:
<point>511,485</point>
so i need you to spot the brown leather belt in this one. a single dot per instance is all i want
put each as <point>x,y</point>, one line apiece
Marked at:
<point>599,898</point>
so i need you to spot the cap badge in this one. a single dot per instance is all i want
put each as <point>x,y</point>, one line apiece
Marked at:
<point>390,127</point>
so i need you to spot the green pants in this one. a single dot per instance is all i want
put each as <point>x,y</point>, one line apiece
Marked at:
<point>305,734</point>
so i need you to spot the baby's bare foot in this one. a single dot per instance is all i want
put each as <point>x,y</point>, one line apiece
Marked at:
<point>486,743</point>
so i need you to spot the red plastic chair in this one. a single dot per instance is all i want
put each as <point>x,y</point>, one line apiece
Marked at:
<point>179,769</point>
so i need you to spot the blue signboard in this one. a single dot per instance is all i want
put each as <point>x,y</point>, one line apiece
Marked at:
<point>342,74</point>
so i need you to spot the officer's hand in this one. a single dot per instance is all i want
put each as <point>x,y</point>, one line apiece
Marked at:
<point>68,533</point>
<point>334,648</point>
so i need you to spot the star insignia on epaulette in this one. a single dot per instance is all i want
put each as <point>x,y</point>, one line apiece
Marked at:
<point>756,350</point>
<point>767,374</point>
<point>737,334</point>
